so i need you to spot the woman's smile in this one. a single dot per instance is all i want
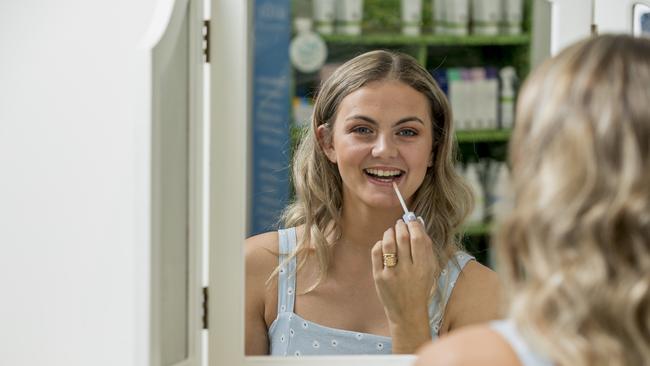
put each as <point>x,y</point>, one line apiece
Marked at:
<point>384,175</point>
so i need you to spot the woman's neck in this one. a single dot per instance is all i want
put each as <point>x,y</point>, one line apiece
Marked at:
<point>363,226</point>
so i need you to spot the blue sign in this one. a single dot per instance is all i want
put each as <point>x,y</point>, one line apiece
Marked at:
<point>271,114</point>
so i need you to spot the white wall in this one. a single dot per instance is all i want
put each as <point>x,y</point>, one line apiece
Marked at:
<point>72,155</point>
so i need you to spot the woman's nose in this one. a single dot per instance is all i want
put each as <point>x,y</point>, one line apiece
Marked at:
<point>384,147</point>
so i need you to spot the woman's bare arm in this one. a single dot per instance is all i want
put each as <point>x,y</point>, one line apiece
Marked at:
<point>476,298</point>
<point>261,260</point>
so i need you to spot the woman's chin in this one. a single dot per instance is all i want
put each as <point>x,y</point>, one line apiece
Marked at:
<point>383,202</point>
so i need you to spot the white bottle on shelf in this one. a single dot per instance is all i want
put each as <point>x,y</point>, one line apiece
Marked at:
<point>324,15</point>
<point>477,98</point>
<point>512,16</point>
<point>457,98</point>
<point>508,77</point>
<point>457,17</point>
<point>439,16</point>
<point>492,97</point>
<point>349,14</point>
<point>502,197</point>
<point>486,15</point>
<point>478,214</point>
<point>411,17</point>
<point>468,99</point>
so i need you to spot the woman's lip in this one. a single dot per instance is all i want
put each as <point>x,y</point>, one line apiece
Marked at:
<point>385,168</point>
<point>388,183</point>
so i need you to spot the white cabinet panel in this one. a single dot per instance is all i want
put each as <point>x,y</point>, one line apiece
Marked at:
<point>570,22</point>
<point>616,16</point>
<point>176,83</point>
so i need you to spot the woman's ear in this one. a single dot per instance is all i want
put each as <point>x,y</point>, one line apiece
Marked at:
<point>430,164</point>
<point>324,135</point>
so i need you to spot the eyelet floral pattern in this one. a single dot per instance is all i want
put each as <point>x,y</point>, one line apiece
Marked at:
<point>291,335</point>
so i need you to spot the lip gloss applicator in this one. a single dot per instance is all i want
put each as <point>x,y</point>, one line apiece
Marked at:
<point>408,215</point>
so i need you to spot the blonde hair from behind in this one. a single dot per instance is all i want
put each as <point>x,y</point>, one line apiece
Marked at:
<point>443,200</point>
<point>575,252</point>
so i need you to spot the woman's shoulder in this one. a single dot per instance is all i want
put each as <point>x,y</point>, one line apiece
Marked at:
<point>487,348</point>
<point>261,252</point>
<point>476,296</point>
<point>478,278</point>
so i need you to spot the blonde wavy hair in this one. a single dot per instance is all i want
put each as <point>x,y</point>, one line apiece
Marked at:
<point>575,251</point>
<point>443,199</point>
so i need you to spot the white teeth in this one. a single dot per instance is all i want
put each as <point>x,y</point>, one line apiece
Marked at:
<point>384,173</point>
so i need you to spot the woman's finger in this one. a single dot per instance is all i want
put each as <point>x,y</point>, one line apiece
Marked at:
<point>377,259</point>
<point>421,250</point>
<point>403,239</point>
<point>388,244</point>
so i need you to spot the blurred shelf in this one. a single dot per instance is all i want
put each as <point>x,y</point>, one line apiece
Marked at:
<point>429,40</point>
<point>501,135</point>
<point>478,229</point>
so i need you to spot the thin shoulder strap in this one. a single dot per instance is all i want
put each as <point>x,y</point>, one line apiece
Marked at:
<point>527,356</point>
<point>446,283</point>
<point>287,272</point>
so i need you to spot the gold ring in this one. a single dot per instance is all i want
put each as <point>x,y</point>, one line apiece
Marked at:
<point>390,260</point>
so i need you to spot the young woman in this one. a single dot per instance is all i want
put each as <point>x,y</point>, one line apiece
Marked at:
<point>349,276</point>
<point>575,252</point>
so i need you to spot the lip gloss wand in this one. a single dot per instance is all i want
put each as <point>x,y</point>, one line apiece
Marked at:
<point>408,215</point>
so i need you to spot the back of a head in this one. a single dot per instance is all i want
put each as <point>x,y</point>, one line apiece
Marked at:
<point>576,250</point>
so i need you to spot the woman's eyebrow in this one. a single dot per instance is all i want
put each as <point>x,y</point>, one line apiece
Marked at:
<point>409,119</point>
<point>362,117</point>
<point>372,121</point>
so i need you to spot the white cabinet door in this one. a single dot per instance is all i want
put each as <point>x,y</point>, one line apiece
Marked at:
<point>175,46</point>
<point>229,115</point>
<point>570,21</point>
<point>618,16</point>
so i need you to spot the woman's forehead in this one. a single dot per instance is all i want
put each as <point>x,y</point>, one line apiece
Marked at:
<point>385,99</point>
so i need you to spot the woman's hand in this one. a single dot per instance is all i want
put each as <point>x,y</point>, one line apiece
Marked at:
<point>404,288</point>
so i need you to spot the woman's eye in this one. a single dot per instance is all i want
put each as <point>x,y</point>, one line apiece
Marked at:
<point>362,130</point>
<point>407,133</point>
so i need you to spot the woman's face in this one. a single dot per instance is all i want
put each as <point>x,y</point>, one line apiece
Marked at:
<point>382,133</point>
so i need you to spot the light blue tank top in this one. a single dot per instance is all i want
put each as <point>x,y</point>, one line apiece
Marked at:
<point>291,335</point>
<point>508,330</point>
